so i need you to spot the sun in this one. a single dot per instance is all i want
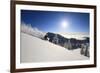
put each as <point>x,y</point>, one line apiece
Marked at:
<point>64,24</point>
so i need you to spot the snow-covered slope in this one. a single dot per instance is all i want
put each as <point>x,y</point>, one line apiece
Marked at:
<point>34,49</point>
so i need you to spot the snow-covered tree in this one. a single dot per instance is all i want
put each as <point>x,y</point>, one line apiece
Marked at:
<point>66,45</point>
<point>85,50</point>
<point>55,39</point>
<point>82,49</point>
<point>69,44</point>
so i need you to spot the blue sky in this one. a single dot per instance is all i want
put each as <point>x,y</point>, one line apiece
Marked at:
<point>52,21</point>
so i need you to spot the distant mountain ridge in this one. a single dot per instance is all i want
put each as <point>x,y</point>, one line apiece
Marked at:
<point>71,43</point>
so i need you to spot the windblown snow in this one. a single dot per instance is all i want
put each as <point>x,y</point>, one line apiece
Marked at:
<point>32,31</point>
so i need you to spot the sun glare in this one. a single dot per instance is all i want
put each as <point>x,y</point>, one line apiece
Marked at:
<point>64,24</point>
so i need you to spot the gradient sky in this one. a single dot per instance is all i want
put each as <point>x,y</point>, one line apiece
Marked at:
<point>51,21</point>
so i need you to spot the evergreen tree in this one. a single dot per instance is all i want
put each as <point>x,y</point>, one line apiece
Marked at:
<point>66,45</point>
<point>69,45</point>
<point>55,39</point>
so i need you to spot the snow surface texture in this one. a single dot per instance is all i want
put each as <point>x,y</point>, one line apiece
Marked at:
<point>34,49</point>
